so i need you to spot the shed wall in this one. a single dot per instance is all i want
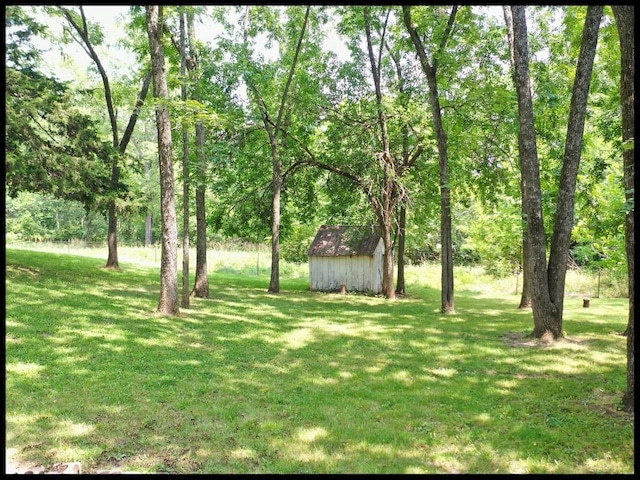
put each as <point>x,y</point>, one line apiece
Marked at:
<point>359,273</point>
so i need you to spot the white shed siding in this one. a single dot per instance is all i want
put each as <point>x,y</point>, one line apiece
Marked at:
<point>359,273</point>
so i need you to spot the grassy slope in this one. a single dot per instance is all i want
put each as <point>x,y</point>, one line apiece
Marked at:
<point>249,382</point>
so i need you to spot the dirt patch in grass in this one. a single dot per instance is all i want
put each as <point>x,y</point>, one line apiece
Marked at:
<point>519,339</point>
<point>609,404</point>
<point>16,269</point>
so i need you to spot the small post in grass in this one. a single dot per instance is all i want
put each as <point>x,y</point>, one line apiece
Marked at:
<point>585,303</point>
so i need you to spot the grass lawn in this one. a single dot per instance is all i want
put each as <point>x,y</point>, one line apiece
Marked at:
<point>301,381</point>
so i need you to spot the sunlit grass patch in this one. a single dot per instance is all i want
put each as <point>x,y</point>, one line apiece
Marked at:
<point>302,382</point>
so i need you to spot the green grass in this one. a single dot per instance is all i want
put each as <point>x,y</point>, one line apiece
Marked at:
<point>304,382</point>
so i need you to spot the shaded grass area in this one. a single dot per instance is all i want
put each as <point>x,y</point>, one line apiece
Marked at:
<point>302,382</point>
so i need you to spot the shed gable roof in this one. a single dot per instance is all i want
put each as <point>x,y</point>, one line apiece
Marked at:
<point>341,240</point>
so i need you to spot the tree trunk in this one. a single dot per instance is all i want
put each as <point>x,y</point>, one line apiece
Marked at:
<point>527,271</point>
<point>148,230</point>
<point>625,22</point>
<point>89,229</point>
<point>148,224</point>
<point>430,70</point>
<point>112,238</point>
<point>185,168</point>
<point>544,312</point>
<point>274,282</point>
<point>168,303</point>
<point>390,192</point>
<point>83,31</point>
<point>561,240</point>
<point>402,224</point>
<point>525,298</point>
<point>201,285</point>
<point>548,283</point>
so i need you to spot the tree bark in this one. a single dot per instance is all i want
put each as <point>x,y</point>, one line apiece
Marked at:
<point>168,303</point>
<point>544,312</point>
<point>148,221</point>
<point>561,240</point>
<point>625,22</point>
<point>402,225</point>
<point>185,168</point>
<point>274,132</point>
<point>526,297</point>
<point>390,191</point>
<point>201,285</point>
<point>548,282</point>
<point>430,70</point>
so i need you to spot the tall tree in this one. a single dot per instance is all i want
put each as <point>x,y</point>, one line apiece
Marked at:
<point>625,21</point>
<point>525,298</point>
<point>275,131</point>
<point>168,303</point>
<point>185,163</point>
<point>547,282</point>
<point>80,25</point>
<point>201,282</point>
<point>430,69</point>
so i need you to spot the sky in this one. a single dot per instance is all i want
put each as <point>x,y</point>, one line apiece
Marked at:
<point>113,58</point>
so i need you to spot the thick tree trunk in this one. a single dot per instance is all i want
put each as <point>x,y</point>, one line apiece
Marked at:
<point>544,312</point>
<point>625,21</point>
<point>402,224</point>
<point>561,240</point>
<point>168,303</point>
<point>547,283</point>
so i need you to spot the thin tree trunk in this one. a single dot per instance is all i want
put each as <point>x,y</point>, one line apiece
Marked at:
<point>402,224</point>
<point>390,190</point>
<point>625,22</point>
<point>168,303</point>
<point>148,223</point>
<point>525,298</point>
<point>274,283</point>
<point>83,31</point>
<point>430,70</point>
<point>148,230</point>
<point>201,285</point>
<point>185,168</point>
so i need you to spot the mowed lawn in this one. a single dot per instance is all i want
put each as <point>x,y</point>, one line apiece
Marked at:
<point>301,381</point>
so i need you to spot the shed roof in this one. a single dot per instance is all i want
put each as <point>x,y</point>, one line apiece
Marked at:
<point>340,240</point>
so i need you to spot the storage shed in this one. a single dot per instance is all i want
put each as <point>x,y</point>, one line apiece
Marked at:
<point>349,255</point>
